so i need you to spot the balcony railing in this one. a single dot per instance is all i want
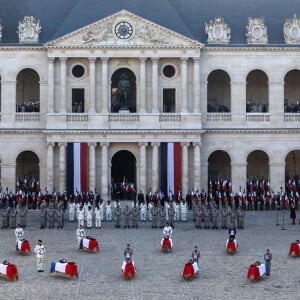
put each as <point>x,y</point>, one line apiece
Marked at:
<point>165,117</point>
<point>126,118</point>
<point>27,117</point>
<point>218,117</point>
<point>77,118</point>
<point>291,118</point>
<point>258,117</point>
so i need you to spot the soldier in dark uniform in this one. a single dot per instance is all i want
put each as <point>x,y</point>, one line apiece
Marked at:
<point>127,213</point>
<point>135,216</point>
<point>141,198</point>
<point>118,217</point>
<point>154,213</point>
<point>188,200</point>
<point>43,213</point>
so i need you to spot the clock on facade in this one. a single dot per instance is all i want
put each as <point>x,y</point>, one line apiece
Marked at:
<point>123,30</point>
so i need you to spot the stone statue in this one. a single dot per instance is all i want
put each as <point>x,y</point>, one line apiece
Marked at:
<point>124,91</point>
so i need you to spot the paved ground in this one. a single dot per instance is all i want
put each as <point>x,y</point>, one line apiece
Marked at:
<point>158,274</point>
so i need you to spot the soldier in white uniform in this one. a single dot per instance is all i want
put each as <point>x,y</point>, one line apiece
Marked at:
<point>80,217</point>
<point>19,233</point>
<point>98,211</point>
<point>80,232</point>
<point>108,212</point>
<point>39,250</point>
<point>143,208</point>
<point>72,208</point>
<point>183,210</point>
<point>177,211</point>
<point>101,206</point>
<point>89,218</point>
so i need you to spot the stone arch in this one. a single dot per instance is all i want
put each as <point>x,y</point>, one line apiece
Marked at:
<point>257,92</point>
<point>123,95</point>
<point>28,91</point>
<point>292,92</point>
<point>219,165</point>
<point>218,92</point>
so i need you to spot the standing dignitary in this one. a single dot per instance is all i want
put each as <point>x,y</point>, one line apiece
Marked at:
<point>39,250</point>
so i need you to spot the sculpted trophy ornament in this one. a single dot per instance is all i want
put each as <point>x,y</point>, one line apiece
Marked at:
<point>291,30</point>
<point>218,32</point>
<point>29,29</point>
<point>256,31</point>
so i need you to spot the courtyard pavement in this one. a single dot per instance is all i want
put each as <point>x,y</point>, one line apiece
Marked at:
<point>158,274</point>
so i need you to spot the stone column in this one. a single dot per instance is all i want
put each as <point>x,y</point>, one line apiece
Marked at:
<point>196,85</point>
<point>155,173</point>
<point>197,166</point>
<point>63,84</point>
<point>142,177</point>
<point>62,166</point>
<point>92,166</point>
<point>183,85</point>
<point>154,85</point>
<point>104,85</point>
<point>142,84</point>
<point>50,84</point>
<point>203,95</point>
<point>104,169</point>
<point>276,103</point>
<point>185,167</point>
<point>50,166</point>
<point>238,101</point>
<point>92,61</point>
<point>204,176</point>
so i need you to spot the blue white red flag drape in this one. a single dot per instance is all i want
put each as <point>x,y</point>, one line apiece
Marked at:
<point>77,167</point>
<point>170,167</point>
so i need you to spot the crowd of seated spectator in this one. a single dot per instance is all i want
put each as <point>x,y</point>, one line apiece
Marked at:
<point>292,107</point>
<point>30,106</point>
<point>252,107</point>
<point>217,108</point>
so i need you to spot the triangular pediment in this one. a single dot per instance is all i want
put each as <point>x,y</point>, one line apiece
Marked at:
<point>124,29</point>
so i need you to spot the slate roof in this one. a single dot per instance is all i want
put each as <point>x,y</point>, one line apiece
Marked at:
<point>187,17</point>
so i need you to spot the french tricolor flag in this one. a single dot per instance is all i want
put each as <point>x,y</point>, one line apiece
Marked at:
<point>77,167</point>
<point>170,167</point>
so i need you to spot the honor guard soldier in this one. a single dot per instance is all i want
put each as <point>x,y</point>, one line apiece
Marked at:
<point>118,214</point>
<point>108,211</point>
<point>224,215</point>
<point>19,233</point>
<point>143,208</point>
<point>4,217</point>
<point>50,215</point>
<point>162,217</point>
<point>240,217</point>
<point>171,214</point>
<point>183,210</point>
<point>199,216</point>
<point>206,218</point>
<point>154,214</point>
<point>80,216</point>
<point>177,211</point>
<point>127,214</point>
<point>214,217</point>
<point>22,216</point>
<point>89,218</point>
<point>233,217</point>
<point>135,216</point>
<point>60,217</point>
<point>13,218</point>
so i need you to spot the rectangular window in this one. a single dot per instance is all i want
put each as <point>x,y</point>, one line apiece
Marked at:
<point>169,101</point>
<point>77,100</point>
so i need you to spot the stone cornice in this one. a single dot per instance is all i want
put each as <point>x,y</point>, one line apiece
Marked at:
<point>251,48</point>
<point>22,48</point>
<point>253,131</point>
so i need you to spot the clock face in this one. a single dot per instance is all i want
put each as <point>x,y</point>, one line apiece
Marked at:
<point>123,30</point>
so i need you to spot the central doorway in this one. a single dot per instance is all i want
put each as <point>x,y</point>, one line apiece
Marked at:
<point>123,176</point>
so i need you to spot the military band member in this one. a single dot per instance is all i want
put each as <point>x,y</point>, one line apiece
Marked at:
<point>40,254</point>
<point>118,214</point>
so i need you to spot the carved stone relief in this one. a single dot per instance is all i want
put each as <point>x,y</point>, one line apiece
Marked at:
<point>29,29</point>
<point>218,31</point>
<point>256,31</point>
<point>291,30</point>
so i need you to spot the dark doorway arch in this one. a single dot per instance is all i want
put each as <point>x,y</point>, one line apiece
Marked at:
<point>116,94</point>
<point>123,175</point>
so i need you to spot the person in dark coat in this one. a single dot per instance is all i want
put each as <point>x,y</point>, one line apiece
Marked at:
<point>293,214</point>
